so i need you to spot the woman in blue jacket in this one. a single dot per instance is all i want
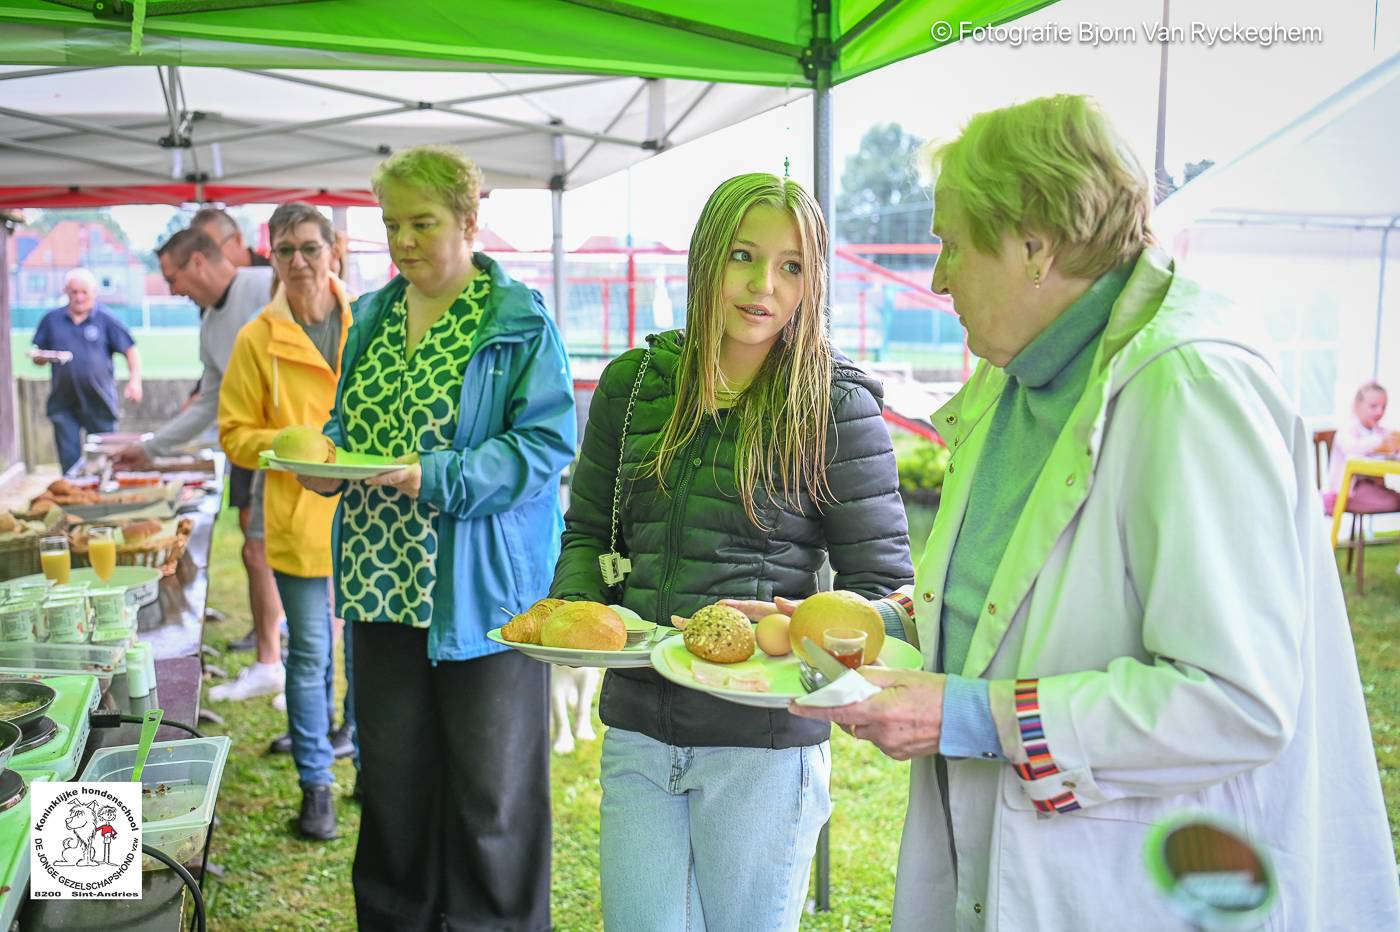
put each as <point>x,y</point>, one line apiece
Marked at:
<point>456,367</point>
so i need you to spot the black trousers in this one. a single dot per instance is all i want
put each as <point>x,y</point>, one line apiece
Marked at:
<point>454,771</point>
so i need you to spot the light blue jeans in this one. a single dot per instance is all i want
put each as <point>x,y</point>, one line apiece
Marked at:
<point>717,839</point>
<point>311,674</point>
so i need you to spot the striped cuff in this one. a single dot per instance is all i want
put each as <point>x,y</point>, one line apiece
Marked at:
<point>895,611</point>
<point>1039,764</point>
<point>903,602</point>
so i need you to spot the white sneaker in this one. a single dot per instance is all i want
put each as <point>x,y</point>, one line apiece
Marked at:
<point>279,702</point>
<point>256,679</point>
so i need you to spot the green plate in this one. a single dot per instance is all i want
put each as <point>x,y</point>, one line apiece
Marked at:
<point>632,656</point>
<point>347,465</point>
<point>672,661</point>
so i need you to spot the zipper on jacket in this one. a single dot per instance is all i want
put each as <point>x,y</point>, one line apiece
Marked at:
<point>673,530</point>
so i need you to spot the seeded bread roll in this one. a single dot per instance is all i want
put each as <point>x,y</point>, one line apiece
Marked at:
<point>719,634</point>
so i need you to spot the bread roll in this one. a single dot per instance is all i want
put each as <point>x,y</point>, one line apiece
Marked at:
<point>8,524</point>
<point>719,634</point>
<point>525,627</point>
<point>134,532</point>
<point>584,626</point>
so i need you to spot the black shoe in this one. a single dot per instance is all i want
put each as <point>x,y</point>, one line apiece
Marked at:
<point>317,818</point>
<point>343,741</point>
<point>249,641</point>
<point>282,744</point>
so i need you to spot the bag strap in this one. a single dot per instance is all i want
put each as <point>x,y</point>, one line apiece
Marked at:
<point>621,449</point>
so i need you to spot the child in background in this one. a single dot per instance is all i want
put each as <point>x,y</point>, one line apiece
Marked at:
<point>1363,436</point>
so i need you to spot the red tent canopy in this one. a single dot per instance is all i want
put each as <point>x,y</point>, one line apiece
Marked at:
<point>175,195</point>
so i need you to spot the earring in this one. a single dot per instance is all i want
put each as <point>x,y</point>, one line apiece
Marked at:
<point>1037,279</point>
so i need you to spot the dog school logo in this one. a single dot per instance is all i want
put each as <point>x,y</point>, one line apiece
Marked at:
<point>85,841</point>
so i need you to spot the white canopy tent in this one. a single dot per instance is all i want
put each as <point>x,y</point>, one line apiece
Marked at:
<point>172,134</point>
<point>1300,223</point>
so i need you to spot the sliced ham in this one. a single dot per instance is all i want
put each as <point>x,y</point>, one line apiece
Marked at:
<point>720,677</point>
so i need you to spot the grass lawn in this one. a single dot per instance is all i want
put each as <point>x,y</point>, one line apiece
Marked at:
<point>275,881</point>
<point>167,353</point>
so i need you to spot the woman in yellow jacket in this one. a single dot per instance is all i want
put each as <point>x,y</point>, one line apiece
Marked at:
<point>283,372</point>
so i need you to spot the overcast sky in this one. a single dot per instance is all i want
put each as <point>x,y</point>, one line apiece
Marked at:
<point>1222,97</point>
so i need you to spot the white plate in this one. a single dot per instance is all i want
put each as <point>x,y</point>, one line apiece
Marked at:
<point>672,661</point>
<point>638,655</point>
<point>347,465</point>
<point>141,582</point>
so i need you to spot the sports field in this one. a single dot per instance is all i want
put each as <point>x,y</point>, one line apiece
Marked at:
<point>167,353</point>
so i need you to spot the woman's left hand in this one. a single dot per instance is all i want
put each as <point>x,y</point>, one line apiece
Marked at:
<point>904,719</point>
<point>408,480</point>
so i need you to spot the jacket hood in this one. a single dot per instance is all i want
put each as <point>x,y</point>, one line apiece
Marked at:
<point>666,357</point>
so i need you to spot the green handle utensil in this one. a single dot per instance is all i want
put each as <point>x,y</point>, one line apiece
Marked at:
<point>149,723</point>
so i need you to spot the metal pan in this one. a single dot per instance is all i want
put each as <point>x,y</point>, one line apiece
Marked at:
<point>9,739</point>
<point>26,691</point>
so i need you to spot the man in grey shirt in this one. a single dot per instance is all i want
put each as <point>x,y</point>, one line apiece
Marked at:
<point>228,297</point>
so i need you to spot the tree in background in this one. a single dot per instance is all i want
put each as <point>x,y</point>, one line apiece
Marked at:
<point>883,199</point>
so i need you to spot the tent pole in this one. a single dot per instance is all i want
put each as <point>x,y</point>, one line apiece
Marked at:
<point>1380,296</point>
<point>556,203</point>
<point>817,66</point>
<point>822,118</point>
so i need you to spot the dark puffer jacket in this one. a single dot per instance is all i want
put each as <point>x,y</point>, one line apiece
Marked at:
<point>694,545</point>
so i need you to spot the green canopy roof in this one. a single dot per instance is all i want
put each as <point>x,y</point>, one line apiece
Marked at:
<point>740,41</point>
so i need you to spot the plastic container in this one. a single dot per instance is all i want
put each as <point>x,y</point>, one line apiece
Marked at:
<point>29,658</point>
<point>112,614</point>
<point>19,618</point>
<point>67,620</point>
<point>178,790</point>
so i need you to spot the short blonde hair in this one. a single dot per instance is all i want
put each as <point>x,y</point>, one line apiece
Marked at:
<point>1366,389</point>
<point>1053,165</point>
<point>441,172</point>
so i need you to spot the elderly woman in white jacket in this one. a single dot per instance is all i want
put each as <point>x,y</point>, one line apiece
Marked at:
<point>1127,607</point>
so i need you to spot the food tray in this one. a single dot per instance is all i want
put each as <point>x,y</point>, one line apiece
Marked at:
<point>160,551</point>
<point>142,583</point>
<point>179,787</point>
<point>132,500</point>
<point>45,658</point>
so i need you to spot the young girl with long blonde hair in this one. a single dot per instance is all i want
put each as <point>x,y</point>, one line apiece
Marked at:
<point>728,460</point>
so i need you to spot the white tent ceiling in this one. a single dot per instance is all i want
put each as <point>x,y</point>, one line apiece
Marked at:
<point>1337,160</point>
<point>294,129</point>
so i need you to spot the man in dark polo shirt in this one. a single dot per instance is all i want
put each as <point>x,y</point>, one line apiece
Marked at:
<point>83,394</point>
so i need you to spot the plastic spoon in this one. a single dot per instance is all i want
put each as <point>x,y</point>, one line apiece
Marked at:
<point>149,723</point>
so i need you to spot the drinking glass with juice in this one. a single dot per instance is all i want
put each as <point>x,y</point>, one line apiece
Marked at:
<point>102,552</point>
<point>847,645</point>
<point>55,559</point>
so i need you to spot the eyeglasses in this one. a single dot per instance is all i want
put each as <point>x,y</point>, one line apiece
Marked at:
<point>309,251</point>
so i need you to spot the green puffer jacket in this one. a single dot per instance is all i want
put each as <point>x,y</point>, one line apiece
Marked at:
<point>696,545</point>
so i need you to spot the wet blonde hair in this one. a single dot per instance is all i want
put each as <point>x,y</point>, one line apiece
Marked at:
<point>785,413</point>
<point>441,172</point>
<point>1056,166</point>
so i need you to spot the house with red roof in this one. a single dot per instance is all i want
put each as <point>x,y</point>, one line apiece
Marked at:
<point>41,260</point>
